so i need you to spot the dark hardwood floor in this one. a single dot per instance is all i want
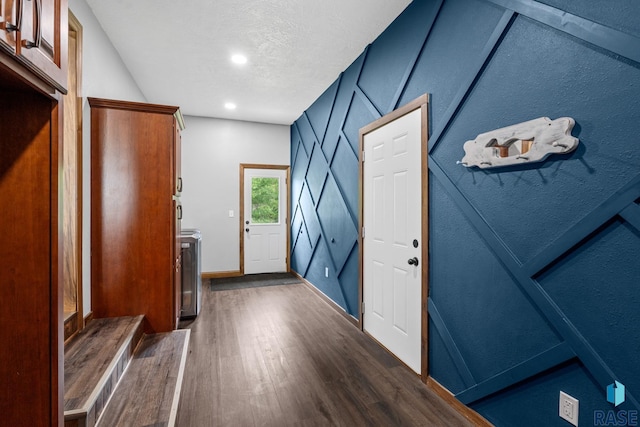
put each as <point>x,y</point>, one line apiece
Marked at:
<point>280,356</point>
<point>94,352</point>
<point>146,394</point>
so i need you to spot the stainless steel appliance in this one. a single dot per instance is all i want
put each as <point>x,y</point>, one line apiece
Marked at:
<point>190,243</point>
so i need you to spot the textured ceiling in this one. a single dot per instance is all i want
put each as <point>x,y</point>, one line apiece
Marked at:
<point>179,52</point>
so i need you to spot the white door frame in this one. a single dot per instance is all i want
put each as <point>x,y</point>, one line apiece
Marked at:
<point>421,103</point>
<point>244,166</point>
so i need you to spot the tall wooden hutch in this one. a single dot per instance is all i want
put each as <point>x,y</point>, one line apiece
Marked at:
<point>135,211</point>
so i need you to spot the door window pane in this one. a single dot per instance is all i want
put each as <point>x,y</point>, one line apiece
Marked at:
<point>264,200</point>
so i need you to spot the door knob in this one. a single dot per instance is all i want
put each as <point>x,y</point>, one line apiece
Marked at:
<point>246,229</point>
<point>413,261</point>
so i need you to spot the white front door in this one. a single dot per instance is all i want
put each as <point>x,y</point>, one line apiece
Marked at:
<point>392,246</point>
<point>265,221</point>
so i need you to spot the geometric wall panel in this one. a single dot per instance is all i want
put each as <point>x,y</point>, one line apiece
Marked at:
<point>339,230</point>
<point>310,219</point>
<point>603,164</point>
<point>625,16</point>
<point>441,360</point>
<point>301,255</point>
<point>348,80</point>
<point>603,276</point>
<point>317,172</point>
<point>299,167</point>
<point>320,111</point>
<point>344,167</point>
<point>358,116</point>
<point>533,272</point>
<point>307,134</point>
<point>463,27</point>
<point>296,224</point>
<point>330,286</point>
<point>499,408</point>
<point>349,271</point>
<point>391,54</point>
<point>295,143</point>
<point>470,309</point>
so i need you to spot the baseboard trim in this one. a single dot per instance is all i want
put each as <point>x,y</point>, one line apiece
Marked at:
<point>71,327</point>
<point>328,300</point>
<point>221,274</point>
<point>88,318</point>
<point>462,409</point>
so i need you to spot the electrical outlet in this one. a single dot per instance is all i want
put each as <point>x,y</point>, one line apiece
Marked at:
<point>569,408</point>
<point>326,272</point>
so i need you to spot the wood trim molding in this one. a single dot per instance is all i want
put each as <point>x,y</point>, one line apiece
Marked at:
<point>18,76</point>
<point>75,27</point>
<point>426,264</point>
<point>221,274</point>
<point>286,168</point>
<point>328,300</point>
<point>133,106</point>
<point>422,103</point>
<point>88,318</point>
<point>56,319</point>
<point>465,411</point>
<point>71,326</point>
<point>241,220</point>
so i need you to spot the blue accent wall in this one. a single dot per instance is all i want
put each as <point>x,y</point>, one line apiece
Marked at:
<point>534,270</point>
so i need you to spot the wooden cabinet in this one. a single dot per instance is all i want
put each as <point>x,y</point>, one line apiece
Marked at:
<point>31,340</point>
<point>32,78</point>
<point>135,256</point>
<point>10,20</point>
<point>34,34</point>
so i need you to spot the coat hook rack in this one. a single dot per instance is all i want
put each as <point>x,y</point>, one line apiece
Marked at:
<point>527,142</point>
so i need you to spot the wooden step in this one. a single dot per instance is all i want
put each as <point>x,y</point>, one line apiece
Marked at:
<point>94,362</point>
<point>149,391</point>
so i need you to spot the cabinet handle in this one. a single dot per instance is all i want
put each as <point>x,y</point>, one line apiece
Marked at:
<point>38,36</point>
<point>8,26</point>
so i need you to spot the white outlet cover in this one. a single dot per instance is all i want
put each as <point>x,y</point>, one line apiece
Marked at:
<point>569,408</point>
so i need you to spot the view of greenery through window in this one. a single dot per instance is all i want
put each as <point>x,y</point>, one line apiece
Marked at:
<point>264,200</point>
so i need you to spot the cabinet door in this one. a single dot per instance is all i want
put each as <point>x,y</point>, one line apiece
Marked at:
<point>9,24</point>
<point>43,45</point>
<point>31,349</point>
<point>177,181</point>
<point>177,278</point>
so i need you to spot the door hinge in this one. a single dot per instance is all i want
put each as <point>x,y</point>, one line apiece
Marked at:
<point>362,232</point>
<point>362,157</point>
<point>362,307</point>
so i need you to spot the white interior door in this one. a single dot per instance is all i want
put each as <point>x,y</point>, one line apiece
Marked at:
<point>392,197</point>
<point>265,221</point>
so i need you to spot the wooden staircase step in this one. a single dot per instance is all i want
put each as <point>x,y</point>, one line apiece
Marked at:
<point>149,392</point>
<point>94,361</point>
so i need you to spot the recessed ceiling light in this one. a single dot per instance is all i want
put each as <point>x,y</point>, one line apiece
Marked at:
<point>239,59</point>
<point>230,106</point>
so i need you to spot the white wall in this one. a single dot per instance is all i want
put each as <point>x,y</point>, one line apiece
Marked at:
<point>104,75</point>
<point>212,150</point>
